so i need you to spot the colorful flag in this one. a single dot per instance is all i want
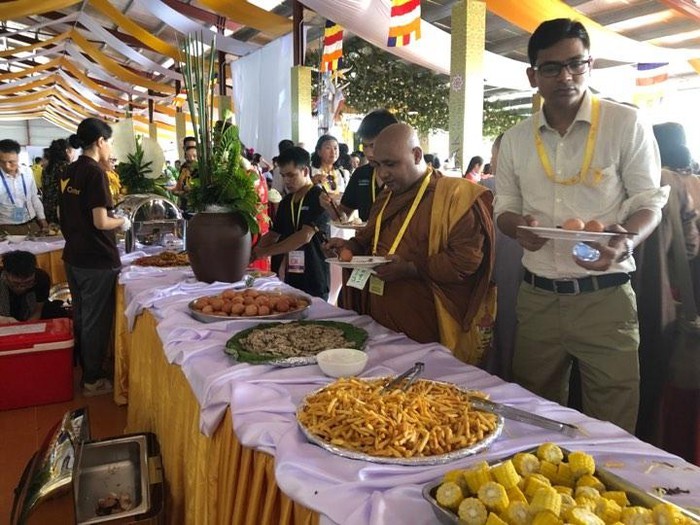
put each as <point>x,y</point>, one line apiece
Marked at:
<point>651,84</point>
<point>404,25</point>
<point>332,47</point>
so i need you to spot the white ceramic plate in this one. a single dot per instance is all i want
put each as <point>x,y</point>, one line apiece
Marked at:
<point>349,225</point>
<point>359,261</point>
<point>569,235</point>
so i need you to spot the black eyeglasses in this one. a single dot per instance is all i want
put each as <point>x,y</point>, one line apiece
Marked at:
<point>553,69</point>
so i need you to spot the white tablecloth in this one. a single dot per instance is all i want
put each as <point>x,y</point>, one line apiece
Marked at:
<point>263,401</point>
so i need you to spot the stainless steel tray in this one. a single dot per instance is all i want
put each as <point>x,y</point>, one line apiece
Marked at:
<point>415,461</point>
<point>300,313</point>
<point>636,495</point>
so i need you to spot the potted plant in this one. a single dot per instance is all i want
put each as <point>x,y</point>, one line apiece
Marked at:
<point>136,174</point>
<point>223,192</point>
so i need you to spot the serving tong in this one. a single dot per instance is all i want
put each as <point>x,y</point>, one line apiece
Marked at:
<point>515,414</point>
<point>409,376</point>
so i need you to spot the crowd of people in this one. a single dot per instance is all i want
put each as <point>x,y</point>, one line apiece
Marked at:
<point>452,246</point>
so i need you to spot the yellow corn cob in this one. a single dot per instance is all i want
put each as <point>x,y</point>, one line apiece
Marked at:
<point>518,513</point>
<point>515,494</point>
<point>477,476</point>
<point>534,482</point>
<point>494,519</point>
<point>549,470</point>
<point>561,489</point>
<point>546,518</point>
<point>586,503</point>
<point>586,492</point>
<point>472,512</point>
<point>567,502</point>
<point>609,511</point>
<point>665,514</point>
<point>456,476</point>
<point>582,516</point>
<point>636,516</point>
<point>581,463</point>
<point>587,480</point>
<point>618,496</point>
<point>550,452</point>
<point>546,498</point>
<point>505,474</point>
<point>564,475</point>
<point>449,495</point>
<point>493,496</point>
<point>526,464</point>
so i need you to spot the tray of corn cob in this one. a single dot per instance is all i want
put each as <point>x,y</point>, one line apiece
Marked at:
<point>547,485</point>
<point>430,423</point>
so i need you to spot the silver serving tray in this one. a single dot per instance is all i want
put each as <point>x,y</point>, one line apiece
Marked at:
<point>300,313</point>
<point>412,462</point>
<point>636,495</point>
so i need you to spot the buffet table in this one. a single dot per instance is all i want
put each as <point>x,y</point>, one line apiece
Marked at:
<point>48,255</point>
<point>231,448</point>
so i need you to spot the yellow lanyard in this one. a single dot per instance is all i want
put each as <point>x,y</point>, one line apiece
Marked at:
<point>587,156</point>
<point>411,212</point>
<point>374,184</point>
<point>301,205</point>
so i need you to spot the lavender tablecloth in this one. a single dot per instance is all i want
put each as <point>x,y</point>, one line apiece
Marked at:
<point>263,401</point>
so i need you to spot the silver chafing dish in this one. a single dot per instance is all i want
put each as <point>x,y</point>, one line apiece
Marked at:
<point>71,480</point>
<point>154,220</point>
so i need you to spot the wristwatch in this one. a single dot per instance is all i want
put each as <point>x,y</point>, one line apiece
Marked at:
<point>629,245</point>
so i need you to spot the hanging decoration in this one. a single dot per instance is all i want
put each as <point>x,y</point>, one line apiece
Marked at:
<point>332,58</point>
<point>404,25</point>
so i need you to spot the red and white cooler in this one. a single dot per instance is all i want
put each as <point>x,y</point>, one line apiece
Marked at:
<point>36,363</point>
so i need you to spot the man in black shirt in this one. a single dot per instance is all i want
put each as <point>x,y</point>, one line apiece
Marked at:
<point>364,186</point>
<point>299,229</point>
<point>24,290</point>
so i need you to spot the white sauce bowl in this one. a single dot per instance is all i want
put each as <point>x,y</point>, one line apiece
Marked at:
<point>342,362</point>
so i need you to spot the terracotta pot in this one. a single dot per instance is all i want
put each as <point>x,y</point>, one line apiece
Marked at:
<point>219,246</point>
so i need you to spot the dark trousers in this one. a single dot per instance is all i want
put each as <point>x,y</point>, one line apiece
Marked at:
<point>92,293</point>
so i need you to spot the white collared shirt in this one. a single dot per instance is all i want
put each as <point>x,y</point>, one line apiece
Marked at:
<point>626,158</point>
<point>31,201</point>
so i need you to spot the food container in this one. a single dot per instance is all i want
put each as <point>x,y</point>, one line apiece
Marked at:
<point>61,292</point>
<point>65,481</point>
<point>635,495</point>
<point>154,220</point>
<point>342,362</point>
<point>36,363</point>
<point>16,238</point>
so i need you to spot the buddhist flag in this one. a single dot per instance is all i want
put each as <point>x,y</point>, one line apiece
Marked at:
<point>650,84</point>
<point>404,25</point>
<point>332,47</point>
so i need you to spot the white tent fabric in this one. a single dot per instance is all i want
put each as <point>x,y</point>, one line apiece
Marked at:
<point>262,96</point>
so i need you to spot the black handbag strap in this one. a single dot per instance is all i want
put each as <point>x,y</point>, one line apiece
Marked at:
<point>682,268</point>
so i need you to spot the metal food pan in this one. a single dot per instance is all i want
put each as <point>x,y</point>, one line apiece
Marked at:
<point>117,466</point>
<point>636,495</point>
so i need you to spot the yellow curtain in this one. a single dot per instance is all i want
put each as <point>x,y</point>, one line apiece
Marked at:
<point>26,72</point>
<point>44,43</point>
<point>528,15</point>
<point>135,30</point>
<point>36,95</point>
<point>20,8</point>
<point>28,86</point>
<point>114,95</point>
<point>250,15</point>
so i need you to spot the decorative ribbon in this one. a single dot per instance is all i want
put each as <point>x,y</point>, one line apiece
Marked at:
<point>55,50</point>
<point>72,17</point>
<point>332,57</point>
<point>17,9</point>
<point>31,47</point>
<point>250,15</point>
<point>24,84</point>
<point>404,24</point>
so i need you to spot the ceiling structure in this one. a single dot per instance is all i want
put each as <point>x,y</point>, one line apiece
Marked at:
<point>63,60</point>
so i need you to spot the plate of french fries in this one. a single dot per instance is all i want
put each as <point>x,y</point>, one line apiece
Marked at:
<point>546,484</point>
<point>430,423</point>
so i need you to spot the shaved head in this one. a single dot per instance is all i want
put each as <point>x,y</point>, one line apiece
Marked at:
<point>399,157</point>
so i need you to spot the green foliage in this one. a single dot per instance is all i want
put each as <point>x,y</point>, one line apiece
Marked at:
<point>132,173</point>
<point>498,118</point>
<point>222,180</point>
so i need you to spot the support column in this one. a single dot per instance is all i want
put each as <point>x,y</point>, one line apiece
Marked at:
<point>152,125</point>
<point>467,79</point>
<point>302,120</point>
<point>180,132</point>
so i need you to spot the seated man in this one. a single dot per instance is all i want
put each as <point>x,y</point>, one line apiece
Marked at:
<point>24,290</point>
<point>300,226</point>
<point>438,233</point>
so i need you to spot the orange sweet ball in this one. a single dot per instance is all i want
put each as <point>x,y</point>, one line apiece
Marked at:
<point>594,226</point>
<point>573,224</point>
<point>345,255</point>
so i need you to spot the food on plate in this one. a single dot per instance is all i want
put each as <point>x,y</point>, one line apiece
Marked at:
<point>345,255</point>
<point>249,303</point>
<point>113,503</point>
<point>574,224</point>
<point>594,226</point>
<point>164,259</point>
<point>429,419</point>
<point>543,488</point>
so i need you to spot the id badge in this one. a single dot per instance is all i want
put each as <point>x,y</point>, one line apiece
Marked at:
<point>295,262</point>
<point>376,285</point>
<point>19,215</point>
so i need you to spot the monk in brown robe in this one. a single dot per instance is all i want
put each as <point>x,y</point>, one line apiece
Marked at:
<point>438,233</point>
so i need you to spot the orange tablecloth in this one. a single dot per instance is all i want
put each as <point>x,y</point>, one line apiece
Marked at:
<point>52,264</point>
<point>208,480</point>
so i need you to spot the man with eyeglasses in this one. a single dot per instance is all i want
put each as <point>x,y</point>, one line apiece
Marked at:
<point>580,157</point>
<point>21,210</point>
<point>24,290</point>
